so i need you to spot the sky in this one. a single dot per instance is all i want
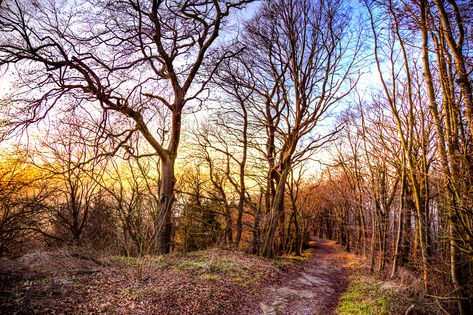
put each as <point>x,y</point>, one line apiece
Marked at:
<point>7,77</point>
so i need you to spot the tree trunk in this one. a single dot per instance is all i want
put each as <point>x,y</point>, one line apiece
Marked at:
<point>166,200</point>
<point>256,226</point>
<point>239,231</point>
<point>241,201</point>
<point>228,225</point>
<point>457,50</point>
<point>298,244</point>
<point>275,215</point>
<point>400,227</point>
<point>298,239</point>
<point>362,229</point>
<point>456,273</point>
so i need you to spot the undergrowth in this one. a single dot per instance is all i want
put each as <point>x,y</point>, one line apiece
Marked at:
<point>368,295</point>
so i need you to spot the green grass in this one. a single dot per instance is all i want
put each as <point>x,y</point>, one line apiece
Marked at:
<point>202,264</point>
<point>125,260</point>
<point>363,296</point>
<point>209,277</point>
<point>366,295</point>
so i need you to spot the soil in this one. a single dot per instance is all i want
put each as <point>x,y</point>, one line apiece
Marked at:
<point>316,288</point>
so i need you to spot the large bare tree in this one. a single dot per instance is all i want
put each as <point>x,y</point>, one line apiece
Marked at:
<point>130,59</point>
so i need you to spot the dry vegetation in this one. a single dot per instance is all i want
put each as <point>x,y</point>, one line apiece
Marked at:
<point>212,281</point>
<point>204,282</point>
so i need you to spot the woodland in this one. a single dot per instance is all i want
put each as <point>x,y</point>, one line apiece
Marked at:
<point>159,129</point>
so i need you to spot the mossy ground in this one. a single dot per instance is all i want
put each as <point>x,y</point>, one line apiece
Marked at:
<point>363,296</point>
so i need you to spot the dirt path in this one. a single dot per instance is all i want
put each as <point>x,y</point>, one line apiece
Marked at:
<point>315,289</point>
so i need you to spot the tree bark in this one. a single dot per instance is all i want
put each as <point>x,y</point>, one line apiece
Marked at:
<point>166,200</point>
<point>276,213</point>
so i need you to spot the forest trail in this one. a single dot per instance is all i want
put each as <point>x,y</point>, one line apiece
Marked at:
<point>315,289</point>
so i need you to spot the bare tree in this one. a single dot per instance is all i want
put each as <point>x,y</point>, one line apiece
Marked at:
<point>127,58</point>
<point>214,151</point>
<point>302,60</point>
<point>64,161</point>
<point>447,141</point>
<point>23,202</point>
<point>234,118</point>
<point>130,185</point>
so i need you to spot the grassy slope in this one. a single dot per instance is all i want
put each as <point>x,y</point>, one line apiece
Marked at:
<point>204,282</point>
<point>367,294</point>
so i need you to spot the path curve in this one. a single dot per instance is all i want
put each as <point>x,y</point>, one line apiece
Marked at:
<point>313,290</point>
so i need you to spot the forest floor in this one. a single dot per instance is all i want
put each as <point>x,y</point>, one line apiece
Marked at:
<point>326,280</point>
